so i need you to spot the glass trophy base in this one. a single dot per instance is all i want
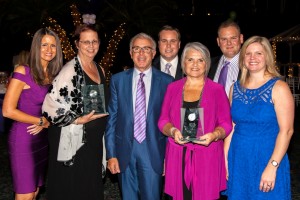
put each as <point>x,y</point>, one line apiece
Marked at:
<point>192,139</point>
<point>93,99</point>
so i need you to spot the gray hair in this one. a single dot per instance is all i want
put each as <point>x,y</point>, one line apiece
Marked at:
<point>200,48</point>
<point>142,36</point>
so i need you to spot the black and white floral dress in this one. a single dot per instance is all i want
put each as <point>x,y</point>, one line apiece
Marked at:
<point>83,179</point>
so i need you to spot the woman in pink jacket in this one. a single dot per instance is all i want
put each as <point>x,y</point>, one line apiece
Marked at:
<point>196,118</point>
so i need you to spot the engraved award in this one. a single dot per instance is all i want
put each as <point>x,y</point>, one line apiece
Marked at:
<point>93,99</point>
<point>190,118</point>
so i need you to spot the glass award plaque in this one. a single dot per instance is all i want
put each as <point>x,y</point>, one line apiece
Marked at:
<point>93,99</point>
<point>190,119</point>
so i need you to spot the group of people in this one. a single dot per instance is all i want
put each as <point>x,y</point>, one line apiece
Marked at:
<point>237,110</point>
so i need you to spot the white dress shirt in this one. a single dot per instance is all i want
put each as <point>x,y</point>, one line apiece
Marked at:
<point>174,64</point>
<point>147,82</point>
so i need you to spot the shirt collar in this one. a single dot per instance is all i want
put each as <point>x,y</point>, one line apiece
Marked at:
<point>235,59</point>
<point>147,73</point>
<point>163,62</point>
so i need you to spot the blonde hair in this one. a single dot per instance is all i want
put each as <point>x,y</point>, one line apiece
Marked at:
<point>21,58</point>
<point>271,69</point>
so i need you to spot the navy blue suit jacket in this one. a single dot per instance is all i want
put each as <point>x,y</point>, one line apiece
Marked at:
<point>119,130</point>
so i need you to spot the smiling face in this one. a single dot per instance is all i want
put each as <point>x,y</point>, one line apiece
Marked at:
<point>168,44</point>
<point>229,40</point>
<point>255,58</point>
<point>88,44</point>
<point>142,60</point>
<point>48,49</point>
<point>194,64</point>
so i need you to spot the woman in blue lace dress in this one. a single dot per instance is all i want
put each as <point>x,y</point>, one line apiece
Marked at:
<point>262,109</point>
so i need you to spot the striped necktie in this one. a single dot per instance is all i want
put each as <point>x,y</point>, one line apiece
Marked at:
<point>167,69</point>
<point>140,111</point>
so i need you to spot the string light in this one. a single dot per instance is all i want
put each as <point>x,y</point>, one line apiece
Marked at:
<point>290,71</point>
<point>109,55</point>
<point>286,39</point>
<point>67,49</point>
<point>75,15</point>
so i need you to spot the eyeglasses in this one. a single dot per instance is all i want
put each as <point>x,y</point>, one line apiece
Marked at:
<point>138,49</point>
<point>88,43</point>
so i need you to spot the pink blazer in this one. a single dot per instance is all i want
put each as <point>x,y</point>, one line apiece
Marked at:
<point>204,166</point>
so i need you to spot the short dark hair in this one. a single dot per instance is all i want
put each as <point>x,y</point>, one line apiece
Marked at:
<point>169,28</point>
<point>83,28</point>
<point>34,59</point>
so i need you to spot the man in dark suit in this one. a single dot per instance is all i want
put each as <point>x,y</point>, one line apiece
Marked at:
<point>169,45</point>
<point>138,160</point>
<point>229,40</point>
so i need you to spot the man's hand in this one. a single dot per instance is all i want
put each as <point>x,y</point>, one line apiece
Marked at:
<point>113,165</point>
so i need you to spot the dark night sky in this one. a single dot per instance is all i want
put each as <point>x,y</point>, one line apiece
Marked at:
<point>263,17</point>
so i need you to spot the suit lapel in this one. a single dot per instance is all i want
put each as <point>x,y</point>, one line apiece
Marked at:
<point>127,91</point>
<point>178,74</point>
<point>154,91</point>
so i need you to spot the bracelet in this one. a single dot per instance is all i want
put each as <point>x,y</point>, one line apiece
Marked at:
<point>172,130</point>
<point>41,122</point>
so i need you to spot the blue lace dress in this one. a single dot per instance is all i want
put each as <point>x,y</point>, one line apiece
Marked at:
<point>252,144</point>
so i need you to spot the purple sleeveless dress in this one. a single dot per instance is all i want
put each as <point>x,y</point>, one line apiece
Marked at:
<point>28,153</point>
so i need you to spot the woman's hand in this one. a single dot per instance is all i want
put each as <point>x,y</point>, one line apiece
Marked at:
<point>34,129</point>
<point>268,177</point>
<point>178,137</point>
<point>206,139</point>
<point>89,117</point>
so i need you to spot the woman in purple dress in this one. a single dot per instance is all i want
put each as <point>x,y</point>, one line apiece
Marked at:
<point>27,141</point>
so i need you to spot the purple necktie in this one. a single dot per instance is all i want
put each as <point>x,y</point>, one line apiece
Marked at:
<point>140,111</point>
<point>167,69</point>
<point>223,73</point>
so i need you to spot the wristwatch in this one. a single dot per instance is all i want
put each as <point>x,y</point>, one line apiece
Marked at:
<point>274,163</point>
<point>41,122</point>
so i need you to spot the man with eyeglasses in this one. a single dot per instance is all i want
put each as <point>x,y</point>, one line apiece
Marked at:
<point>135,147</point>
<point>169,45</point>
<point>229,40</point>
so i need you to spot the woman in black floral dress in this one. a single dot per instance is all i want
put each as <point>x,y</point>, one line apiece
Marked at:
<point>75,139</point>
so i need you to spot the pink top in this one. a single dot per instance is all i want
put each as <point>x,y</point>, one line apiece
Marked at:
<point>204,166</point>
